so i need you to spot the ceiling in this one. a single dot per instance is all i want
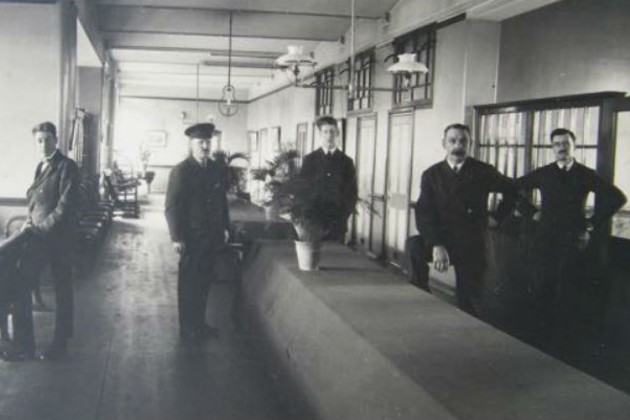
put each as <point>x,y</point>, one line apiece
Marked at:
<point>161,45</point>
<point>158,44</point>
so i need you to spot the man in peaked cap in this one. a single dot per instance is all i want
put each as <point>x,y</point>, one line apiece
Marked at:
<point>197,215</point>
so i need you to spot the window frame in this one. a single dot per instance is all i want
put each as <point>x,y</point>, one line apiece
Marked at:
<point>324,91</point>
<point>422,42</point>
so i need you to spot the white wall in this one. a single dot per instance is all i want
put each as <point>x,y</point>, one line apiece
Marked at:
<point>568,48</point>
<point>30,63</point>
<point>286,109</point>
<point>136,116</point>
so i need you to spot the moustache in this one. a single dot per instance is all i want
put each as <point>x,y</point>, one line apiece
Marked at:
<point>458,152</point>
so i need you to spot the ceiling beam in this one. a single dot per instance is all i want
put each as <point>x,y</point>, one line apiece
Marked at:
<point>176,33</point>
<point>213,52</point>
<point>210,23</point>
<point>373,9</point>
<point>201,42</point>
<point>235,11</point>
<point>211,64</point>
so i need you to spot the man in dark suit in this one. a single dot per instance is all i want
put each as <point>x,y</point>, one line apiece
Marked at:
<point>52,217</point>
<point>566,248</point>
<point>197,215</point>
<point>452,214</point>
<point>333,172</point>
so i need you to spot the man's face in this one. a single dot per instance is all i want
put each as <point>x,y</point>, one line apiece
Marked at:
<point>200,148</point>
<point>328,136</point>
<point>457,145</point>
<point>563,147</point>
<point>46,143</point>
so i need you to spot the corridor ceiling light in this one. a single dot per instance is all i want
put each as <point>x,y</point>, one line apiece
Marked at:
<point>228,105</point>
<point>407,66</point>
<point>294,63</point>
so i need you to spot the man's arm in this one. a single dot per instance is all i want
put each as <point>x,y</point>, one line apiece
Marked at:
<point>66,207</point>
<point>427,218</point>
<point>524,186</point>
<point>308,166</point>
<point>352,189</point>
<point>608,200</point>
<point>173,207</point>
<point>504,185</point>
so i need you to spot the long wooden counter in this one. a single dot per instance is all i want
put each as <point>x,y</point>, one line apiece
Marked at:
<point>361,343</point>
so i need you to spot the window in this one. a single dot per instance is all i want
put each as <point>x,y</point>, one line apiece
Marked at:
<point>420,87</point>
<point>361,95</point>
<point>324,80</point>
<point>514,137</point>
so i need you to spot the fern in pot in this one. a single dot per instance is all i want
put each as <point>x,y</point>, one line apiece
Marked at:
<point>313,210</point>
<point>276,171</point>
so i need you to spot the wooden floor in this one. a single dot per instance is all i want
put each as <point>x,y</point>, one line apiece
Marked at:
<point>126,361</point>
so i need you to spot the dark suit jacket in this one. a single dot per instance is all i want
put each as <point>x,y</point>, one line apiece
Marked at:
<point>564,197</point>
<point>52,204</point>
<point>452,209</point>
<point>196,202</point>
<point>335,174</point>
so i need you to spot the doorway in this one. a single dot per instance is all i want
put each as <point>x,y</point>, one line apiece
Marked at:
<point>366,158</point>
<point>398,199</point>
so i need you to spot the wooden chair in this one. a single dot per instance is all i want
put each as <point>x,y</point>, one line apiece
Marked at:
<point>124,196</point>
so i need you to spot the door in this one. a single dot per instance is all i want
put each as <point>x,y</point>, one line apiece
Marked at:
<point>366,145</point>
<point>398,198</point>
<point>621,173</point>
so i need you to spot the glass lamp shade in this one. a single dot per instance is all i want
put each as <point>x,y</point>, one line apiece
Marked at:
<point>407,64</point>
<point>294,61</point>
<point>295,56</point>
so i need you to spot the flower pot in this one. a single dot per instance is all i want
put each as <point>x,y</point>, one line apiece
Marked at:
<point>308,255</point>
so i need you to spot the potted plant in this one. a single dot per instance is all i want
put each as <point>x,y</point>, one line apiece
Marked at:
<point>313,209</point>
<point>276,171</point>
<point>235,175</point>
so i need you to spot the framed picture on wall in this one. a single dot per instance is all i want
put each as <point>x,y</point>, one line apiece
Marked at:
<point>155,139</point>
<point>275,138</point>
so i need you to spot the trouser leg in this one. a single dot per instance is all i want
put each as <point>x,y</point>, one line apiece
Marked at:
<point>195,273</point>
<point>23,334</point>
<point>64,298</point>
<point>416,253</point>
<point>184,294</point>
<point>467,288</point>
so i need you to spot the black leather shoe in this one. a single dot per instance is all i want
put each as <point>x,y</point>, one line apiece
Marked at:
<point>55,351</point>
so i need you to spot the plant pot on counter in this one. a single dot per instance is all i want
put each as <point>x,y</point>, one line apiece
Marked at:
<point>308,254</point>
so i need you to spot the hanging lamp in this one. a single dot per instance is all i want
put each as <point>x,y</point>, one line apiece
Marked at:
<point>295,61</point>
<point>228,105</point>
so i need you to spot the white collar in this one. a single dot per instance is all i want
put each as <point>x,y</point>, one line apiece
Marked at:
<point>568,166</point>
<point>456,166</point>
<point>331,151</point>
<point>48,158</point>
